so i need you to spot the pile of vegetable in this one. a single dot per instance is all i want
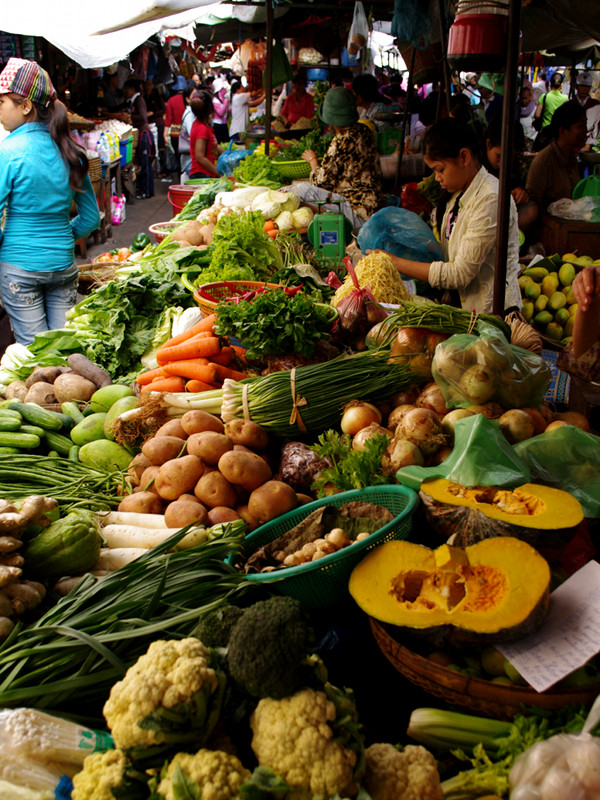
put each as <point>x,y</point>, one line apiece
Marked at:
<point>203,197</point>
<point>257,170</point>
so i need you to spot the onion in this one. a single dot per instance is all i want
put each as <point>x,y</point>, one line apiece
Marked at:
<point>361,438</point>
<point>441,454</point>
<point>539,423</point>
<point>357,415</point>
<point>452,416</point>
<point>407,397</point>
<point>432,398</point>
<point>409,340</point>
<point>421,364</point>
<point>401,453</point>
<point>423,428</point>
<point>547,412</point>
<point>574,418</point>
<point>516,425</point>
<point>553,426</point>
<point>398,415</point>
<point>490,410</point>
<point>477,384</point>
<point>489,354</point>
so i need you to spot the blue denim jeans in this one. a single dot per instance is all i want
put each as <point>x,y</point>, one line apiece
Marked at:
<point>37,301</point>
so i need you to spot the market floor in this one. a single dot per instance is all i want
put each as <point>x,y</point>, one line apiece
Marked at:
<point>140,214</point>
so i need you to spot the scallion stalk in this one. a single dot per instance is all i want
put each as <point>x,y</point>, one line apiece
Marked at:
<point>440,729</point>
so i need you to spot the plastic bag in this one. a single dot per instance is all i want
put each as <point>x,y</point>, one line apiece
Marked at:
<point>567,458</point>
<point>230,159</point>
<point>412,22</point>
<point>401,233</point>
<point>481,456</point>
<point>281,70</point>
<point>565,766</point>
<point>359,30</point>
<point>473,370</point>
<point>171,161</point>
<point>415,202</point>
<point>359,310</point>
<point>585,208</point>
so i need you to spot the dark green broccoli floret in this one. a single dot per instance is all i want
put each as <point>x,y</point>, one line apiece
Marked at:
<point>215,626</point>
<point>269,648</point>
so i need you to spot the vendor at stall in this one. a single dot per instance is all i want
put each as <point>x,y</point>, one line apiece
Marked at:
<point>299,104</point>
<point>586,330</point>
<point>241,99</point>
<point>465,220</point>
<point>350,171</point>
<point>369,101</point>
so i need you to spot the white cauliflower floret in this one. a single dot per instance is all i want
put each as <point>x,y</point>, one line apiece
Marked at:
<point>294,738</point>
<point>217,775</point>
<point>101,773</point>
<point>411,774</point>
<point>169,673</point>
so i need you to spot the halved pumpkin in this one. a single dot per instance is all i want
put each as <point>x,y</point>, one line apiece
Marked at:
<point>545,517</point>
<point>496,590</point>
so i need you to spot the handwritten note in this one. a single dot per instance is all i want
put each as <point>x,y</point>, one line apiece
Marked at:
<point>569,636</point>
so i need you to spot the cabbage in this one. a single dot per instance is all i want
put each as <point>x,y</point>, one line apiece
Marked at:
<point>269,203</point>
<point>302,217</point>
<point>292,202</point>
<point>239,198</point>
<point>285,221</point>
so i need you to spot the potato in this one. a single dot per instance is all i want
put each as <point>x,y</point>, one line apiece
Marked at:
<point>209,446</point>
<point>147,479</point>
<point>303,499</point>
<point>244,514</point>
<point>247,433</point>
<point>46,374</point>
<point>70,386</point>
<point>193,234</point>
<point>222,514</point>
<point>142,503</point>
<point>41,393</point>
<point>199,421</point>
<point>247,470</point>
<point>136,469</point>
<point>185,511</point>
<point>214,490</point>
<point>271,500</point>
<point>207,232</point>
<point>178,476</point>
<point>172,428</point>
<point>16,390</point>
<point>162,448</point>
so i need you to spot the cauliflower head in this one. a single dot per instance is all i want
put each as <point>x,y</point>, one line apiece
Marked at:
<point>103,772</point>
<point>210,774</point>
<point>293,737</point>
<point>172,675</point>
<point>410,774</point>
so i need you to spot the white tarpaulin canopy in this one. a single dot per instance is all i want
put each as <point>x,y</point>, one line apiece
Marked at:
<point>73,25</point>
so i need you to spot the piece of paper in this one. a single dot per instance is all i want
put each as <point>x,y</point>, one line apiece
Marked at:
<point>569,636</point>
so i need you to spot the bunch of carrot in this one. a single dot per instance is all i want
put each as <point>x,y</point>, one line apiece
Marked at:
<point>194,361</point>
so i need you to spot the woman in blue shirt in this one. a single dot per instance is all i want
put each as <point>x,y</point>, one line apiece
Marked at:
<point>42,171</point>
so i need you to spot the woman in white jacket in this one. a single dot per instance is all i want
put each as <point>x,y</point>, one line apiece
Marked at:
<point>465,222</point>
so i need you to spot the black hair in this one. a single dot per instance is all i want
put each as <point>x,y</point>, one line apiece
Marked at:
<point>300,77</point>
<point>234,87</point>
<point>201,105</point>
<point>366,86</point>
<point>74,156</point>
<point>556,81</point>
<point>461,108</point>
<point>210,80</point>
<point>133,83</point>
<point>566,115</point>
<point>446,138</point>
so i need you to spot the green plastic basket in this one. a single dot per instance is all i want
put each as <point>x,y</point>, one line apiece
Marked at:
<point>325,582</point>
<point>293,169</point>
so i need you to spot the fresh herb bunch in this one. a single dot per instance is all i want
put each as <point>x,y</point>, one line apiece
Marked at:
<point>275,323</point>
<point>352,469</point>
<point>257,170</point>
<point>313,140</point>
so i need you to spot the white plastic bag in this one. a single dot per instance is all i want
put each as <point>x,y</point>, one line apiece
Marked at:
<point>564,767</point>
<point>584,208</point>
<point>359,30</point>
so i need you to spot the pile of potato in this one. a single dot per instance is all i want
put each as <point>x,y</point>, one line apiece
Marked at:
<point>50,385</point>
<point>195,233</point>
<point>197,470</point>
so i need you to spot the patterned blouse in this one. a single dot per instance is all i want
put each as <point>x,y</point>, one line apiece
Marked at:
<point>351,167</point>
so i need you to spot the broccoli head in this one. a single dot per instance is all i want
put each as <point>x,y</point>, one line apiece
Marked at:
<point>214,627</point>
<point>269,647</point>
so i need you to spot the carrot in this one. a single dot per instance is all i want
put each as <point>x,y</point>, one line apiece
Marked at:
<point>205,325</point>
<point>190,368</point>
<point>225,357</point>
<point>197,347</point>
<point>226,372</point>
<point>171,384</point>
<point>147,377</point>
<point>200,386</point>
<point>270,225</point>
<point>240,352</point>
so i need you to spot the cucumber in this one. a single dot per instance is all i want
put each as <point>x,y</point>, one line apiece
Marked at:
<point>9,424</point>
<point>72,410</point>
<point>58,442</point>
<point>35,429</point>
<point>36,415</point>
<point>24,441</point>
<point>66,419</point>
<point>52,454</point>
<point>9,412</point>
<point>74,453</point>
<point>9,451</point>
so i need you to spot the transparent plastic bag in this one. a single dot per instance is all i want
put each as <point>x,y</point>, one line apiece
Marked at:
<point>230,159</point>
<point>359,30</point>
<point>473,370</point>
<point>584,208</point>
<point>563,767</point>
<point>400,232</point>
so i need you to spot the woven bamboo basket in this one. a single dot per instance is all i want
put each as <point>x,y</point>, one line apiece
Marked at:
<point>95,169</point>
<point>472,694</point>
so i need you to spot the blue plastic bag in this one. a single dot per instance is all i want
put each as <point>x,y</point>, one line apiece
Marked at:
<point>401,233</point>
<point>411,22</point>
<point>229,160</point>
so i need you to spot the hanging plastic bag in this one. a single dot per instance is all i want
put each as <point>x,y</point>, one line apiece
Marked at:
<point>359,310</point>
<point>473,370</point>
<point>401,233</point>
<point>359,30</point>
<point>230,159</point>
<point>567,458</point>
<point>411,22</point>
<point>281,70</point>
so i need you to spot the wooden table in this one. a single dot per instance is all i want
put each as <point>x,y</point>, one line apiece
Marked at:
<point>570,236</point>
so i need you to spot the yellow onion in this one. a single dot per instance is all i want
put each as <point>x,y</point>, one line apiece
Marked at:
<point>398,413</point>
<point>358,415</point>
<point>432,398</point>
<point>361,438</point>
<point>516,425</point>
<point>423,428</point>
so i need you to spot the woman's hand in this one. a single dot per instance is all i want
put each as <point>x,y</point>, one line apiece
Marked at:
<point>311,157</point>
<point>586,287</point>
<point>520,196</point>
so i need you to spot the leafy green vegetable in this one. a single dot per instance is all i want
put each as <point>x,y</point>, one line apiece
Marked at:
<point>203,197</point>
<point>352,469</point>
<point>257,170</point>
<point>275,323</point>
